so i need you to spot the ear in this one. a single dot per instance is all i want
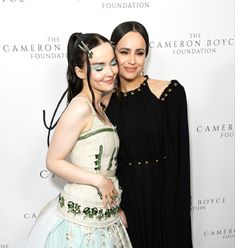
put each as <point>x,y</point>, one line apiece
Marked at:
<point>81,73</point>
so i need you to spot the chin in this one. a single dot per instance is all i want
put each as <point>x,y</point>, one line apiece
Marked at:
<point>108,89</point>
<point>130,76</point>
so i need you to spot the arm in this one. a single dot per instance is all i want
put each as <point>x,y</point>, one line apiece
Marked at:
<point>184,196</point>
<point>76,119</point>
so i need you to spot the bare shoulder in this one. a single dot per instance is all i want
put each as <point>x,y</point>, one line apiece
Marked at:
<point>77,114</point>
<point>158,86</point>
<point>157,83</point>
<point>79,106</point>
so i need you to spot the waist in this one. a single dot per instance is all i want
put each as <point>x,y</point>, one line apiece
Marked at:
<point>142,162</point>
<point>106,173</point>
<point>85,212</point>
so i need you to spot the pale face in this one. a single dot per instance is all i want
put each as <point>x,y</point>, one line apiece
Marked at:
<point>103,68</point>
<point>130,52</point>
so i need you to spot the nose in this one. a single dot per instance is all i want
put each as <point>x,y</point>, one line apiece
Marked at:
<point>132,59</point>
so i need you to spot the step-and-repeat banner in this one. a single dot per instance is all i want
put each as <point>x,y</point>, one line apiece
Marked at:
<point>190,40</point>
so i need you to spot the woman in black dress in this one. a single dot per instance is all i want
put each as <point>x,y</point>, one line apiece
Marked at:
<point>153,160</point>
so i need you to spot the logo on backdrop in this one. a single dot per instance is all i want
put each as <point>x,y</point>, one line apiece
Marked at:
<point>195,44</point>
<point>225,130</point>
<point>45,174</point>
<point>4,245</point>
<point>205,203</point>
<point>125,5</point>
<point>29,216</point>
<point>13,1</point>
<point>222,233</point>
<point>49,49</point>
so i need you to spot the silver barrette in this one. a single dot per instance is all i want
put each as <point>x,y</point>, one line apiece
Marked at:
<point>86,50</point>
<point>113,44</point>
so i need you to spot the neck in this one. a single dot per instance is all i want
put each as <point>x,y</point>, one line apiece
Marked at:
<point>87,93</point>
<point>128,85</point>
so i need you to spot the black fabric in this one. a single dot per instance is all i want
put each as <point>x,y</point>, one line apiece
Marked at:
<point>153,165</point>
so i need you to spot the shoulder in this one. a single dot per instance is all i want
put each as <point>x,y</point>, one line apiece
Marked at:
<point>162,84</point>
<point>77,112</point>
<point>158,82</point>
<point>158,86</point>
<point>79,105</point>
<point>164,89</point>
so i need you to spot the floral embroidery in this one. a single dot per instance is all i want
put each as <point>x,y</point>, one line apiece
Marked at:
<point>100,195</point>
<point>98,158</point>
<point>69,235</point>
<point>90,212</point>
<point>61,201</point>
<point>73,208</point>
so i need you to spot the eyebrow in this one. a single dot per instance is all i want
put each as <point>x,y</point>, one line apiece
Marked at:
<point>98,63</point>
<point>128,49</point>
<point>102,63</point>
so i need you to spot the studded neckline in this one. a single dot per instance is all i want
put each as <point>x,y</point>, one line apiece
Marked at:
<point>163,96</point>
<point>138,89</point>
<point>168,89</point>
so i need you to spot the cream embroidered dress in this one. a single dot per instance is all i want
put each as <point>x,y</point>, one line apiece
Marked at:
<point>77,218</point>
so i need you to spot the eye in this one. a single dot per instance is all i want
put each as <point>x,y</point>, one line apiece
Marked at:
<point>124,52</point>
<point>140,53</point>
<point>97,67</point>
<point>113,62</point>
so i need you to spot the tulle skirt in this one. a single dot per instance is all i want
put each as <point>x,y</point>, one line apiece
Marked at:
<point>52,231</point>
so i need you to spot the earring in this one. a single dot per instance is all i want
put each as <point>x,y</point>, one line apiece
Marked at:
<point>142,73</point>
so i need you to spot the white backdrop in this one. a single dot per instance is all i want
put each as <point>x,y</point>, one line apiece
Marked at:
<point>191,41</point>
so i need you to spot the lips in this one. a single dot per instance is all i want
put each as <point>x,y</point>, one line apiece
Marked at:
<point>110,81</point>
<point>130,69</point>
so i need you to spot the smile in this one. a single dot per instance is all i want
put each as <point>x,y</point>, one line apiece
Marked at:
<point>110,81</point>
<point>130,69</point>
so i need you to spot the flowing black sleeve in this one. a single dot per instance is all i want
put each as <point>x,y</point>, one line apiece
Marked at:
<point>184,193</point>
<point>178,196</point>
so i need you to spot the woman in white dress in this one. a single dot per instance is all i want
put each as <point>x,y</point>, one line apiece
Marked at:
<point>86,213</point>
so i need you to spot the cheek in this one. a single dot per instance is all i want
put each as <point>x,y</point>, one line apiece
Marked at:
<point>141,61</point>
<point>96,76</point>
<point>121,59</point>
<point>115,69</point>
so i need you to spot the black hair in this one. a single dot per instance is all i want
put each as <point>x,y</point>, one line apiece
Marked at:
<point>126,27</point>
<point>123,29</point>
<point>78,56</point>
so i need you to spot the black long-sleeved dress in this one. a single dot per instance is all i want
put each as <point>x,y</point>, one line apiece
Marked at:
<point>153,165</point>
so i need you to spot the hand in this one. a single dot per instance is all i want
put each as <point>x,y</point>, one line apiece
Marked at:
<point>107,191</point>
<point>123,217</point>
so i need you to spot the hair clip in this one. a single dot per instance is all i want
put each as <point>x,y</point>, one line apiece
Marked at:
<point>86,50</point>
<point>113,44</point>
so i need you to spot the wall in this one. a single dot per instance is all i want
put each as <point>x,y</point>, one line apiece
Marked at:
<point>191,41</point>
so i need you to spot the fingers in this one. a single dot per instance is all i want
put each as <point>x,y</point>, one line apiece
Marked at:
<point>109,200</point>
<point>109,193</point>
